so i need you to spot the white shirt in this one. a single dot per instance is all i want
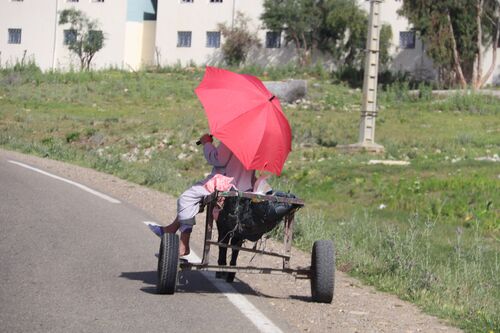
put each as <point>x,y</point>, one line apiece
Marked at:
<point>226,163</point>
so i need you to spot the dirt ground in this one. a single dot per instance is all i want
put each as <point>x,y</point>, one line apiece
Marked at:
<point>355,308</point>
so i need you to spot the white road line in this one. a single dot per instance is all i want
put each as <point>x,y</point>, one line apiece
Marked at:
<point>253,314</point>
<point>80,186</point>
<point>257,318</point>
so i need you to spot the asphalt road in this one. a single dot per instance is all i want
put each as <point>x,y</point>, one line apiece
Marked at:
<point>71,261</point>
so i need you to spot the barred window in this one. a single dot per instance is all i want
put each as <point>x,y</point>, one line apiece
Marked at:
<point>407,39</point>
<point>96,37</point>
<point>213,39</point>
<point>273,39</point>
<point>14,36</point>
<point>183,38</point>
<point>69,36</point>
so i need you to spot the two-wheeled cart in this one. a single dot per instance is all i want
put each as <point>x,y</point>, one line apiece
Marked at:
<point>321,272</point>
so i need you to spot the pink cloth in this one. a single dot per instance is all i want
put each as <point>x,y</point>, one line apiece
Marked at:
<point>219,182</point>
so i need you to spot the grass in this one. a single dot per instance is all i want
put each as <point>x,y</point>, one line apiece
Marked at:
<point>428,232</point>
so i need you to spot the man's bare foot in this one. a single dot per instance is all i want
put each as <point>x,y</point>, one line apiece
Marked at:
<point>184,244</point>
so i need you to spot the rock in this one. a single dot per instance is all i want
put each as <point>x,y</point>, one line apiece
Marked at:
<point>97,139</point>
<point>388,162</point>
<point>288,91</point>
<point>494,158</point>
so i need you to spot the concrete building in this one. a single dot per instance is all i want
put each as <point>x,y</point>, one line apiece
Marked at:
<point>143,33</point>
<point>187,32</point>
<point>30,30</point>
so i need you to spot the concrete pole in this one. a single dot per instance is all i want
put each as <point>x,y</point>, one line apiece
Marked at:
<point>369,103</point>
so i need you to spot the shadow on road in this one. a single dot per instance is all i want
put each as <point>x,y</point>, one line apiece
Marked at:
<point>189,282</point>
<point>200,283</point>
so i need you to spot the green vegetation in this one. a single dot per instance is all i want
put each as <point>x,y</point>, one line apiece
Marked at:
<point>428,232</point>
<point>337,28</point>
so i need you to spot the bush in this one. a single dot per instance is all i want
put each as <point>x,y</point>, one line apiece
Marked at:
<point>238,40</point>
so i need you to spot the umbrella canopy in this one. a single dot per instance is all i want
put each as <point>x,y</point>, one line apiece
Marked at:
<point>247,118</point>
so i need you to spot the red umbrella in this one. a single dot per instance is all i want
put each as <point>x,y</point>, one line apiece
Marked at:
<point>247,118</point>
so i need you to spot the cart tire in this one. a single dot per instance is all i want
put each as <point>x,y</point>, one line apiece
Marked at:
<point>168,262</point>
<point>322,271</point>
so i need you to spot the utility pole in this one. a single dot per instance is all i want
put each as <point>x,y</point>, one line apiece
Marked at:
<point>369,104</point>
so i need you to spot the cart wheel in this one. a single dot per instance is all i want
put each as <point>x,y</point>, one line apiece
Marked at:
<point>322,271</point>
<point>168,261</point>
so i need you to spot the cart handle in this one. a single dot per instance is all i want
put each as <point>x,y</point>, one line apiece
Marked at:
<point>251,195</point>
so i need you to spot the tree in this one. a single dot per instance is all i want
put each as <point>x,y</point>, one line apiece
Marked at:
<point>335,27</point>
<point>300,20</point>
<point>84,37</point>
<point>343,34</point>
<point>456,34</point>
<point>238,40</point>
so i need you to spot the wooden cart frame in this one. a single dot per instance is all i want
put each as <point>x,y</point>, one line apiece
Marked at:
<point>321,271</point>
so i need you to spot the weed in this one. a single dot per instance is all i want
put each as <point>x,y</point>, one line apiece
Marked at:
<point>72,136</point>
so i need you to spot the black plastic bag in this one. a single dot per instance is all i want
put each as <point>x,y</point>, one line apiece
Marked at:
<point>253,219</point>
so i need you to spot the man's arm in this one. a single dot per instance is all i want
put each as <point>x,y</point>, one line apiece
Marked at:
<point>216,156</point>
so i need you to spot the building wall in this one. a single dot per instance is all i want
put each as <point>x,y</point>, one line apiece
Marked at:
<point>201,16</point>
<point>140,34</point>
<point>37,20</point>
<point>412,60</point>
<point>198,17</point>
<point>494,79</point>
<point>139,45</point>
<point>42,36</point>
<point>264,56</point>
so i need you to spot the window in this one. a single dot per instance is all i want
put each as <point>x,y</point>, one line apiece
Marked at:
<point>14,36</point>
<point>216,1</point>
<point>69,36</point>
<point>16,0</point>
<point>96,37</point>
<point>97,0</point>
<point>72,0</point>
<point>273,39</point>
<point>183,38</point>
<point>213,39</point>
<point>407,39</point>
<point>187,1</point>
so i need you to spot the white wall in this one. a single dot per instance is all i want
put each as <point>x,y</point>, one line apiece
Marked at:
<point>404,60</point>
<point>36,18</point>
<point>202,16</point>
<point>42,37</point>
<point>494,79</point>
<point>139,45</point>
<point>197,17</point>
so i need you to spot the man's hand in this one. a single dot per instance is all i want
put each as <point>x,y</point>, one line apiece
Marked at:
<point>205,138</point>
